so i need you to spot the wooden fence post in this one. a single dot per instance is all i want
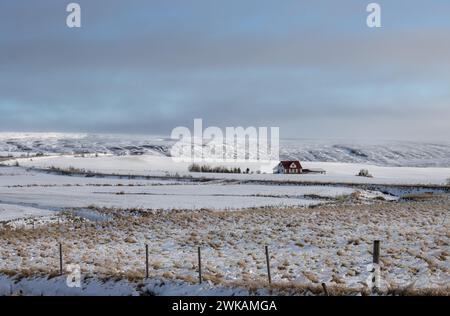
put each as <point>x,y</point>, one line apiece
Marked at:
<point>324,286</point>
<point>376,263</point>
<point>60,259</point>
<point>199,266</point>
<point>146,261</point>
<point>268,265</point>
<point>376,252</point>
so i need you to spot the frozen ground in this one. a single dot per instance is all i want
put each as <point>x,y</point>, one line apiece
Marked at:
<point>36,193</point>
<point>151,165</point>
<point>10,211</point>
<point>308,246</point>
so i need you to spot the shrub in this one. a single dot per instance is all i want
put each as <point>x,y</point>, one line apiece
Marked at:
<point>194,168</point>
<point>364,173</point>
<point>418,196</point>
<point>206,168</point>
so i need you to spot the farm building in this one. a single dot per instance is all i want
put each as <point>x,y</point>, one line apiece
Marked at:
<point>294,167</point>
<point>288,167</point>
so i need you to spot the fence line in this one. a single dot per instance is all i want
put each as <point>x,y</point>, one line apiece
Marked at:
<point>375,258</point>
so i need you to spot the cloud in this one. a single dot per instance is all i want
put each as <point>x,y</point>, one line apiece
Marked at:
<point>310,67</point>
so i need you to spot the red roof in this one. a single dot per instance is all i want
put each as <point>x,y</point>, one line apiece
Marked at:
<point>288,163</point>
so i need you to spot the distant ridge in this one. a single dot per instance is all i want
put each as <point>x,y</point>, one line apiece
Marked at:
<point>383,153</point>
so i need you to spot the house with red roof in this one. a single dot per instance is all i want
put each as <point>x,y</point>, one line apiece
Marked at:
<point>289,167</point>
<point>295,167</point>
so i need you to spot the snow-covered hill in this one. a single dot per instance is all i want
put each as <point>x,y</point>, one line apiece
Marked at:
<point>382,153</point>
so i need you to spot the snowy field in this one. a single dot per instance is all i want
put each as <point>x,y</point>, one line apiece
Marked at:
<point>32,192</point>
<point>122,193</point>
<point>308,246</point>
<point>151,165</point>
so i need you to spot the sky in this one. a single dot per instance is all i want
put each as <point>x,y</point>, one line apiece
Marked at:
<point>312,68</point>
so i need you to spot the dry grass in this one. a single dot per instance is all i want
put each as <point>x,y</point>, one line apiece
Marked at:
<point>303,242</point>
<point>419,196</point>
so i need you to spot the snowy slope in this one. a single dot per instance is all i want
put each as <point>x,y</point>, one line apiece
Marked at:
<point>382,153</point>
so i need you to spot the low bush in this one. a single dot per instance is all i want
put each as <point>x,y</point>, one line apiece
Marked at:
<point>218,169</point>
<point>364,173</point>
